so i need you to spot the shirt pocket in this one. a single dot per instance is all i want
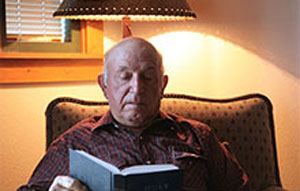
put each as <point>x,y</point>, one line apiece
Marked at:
<point>195,170</point>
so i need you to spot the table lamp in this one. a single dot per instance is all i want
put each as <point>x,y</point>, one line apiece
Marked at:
<point>125,11</point>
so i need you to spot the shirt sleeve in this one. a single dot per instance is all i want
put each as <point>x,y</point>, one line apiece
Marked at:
<point>225,173</point>
<point>52,164</point>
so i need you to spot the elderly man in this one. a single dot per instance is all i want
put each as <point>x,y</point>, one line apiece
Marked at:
<point>134,131</point>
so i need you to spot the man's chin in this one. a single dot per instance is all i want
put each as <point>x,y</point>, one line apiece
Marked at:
<point>136,119</point>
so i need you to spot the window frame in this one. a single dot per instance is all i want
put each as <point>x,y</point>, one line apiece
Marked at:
<point>17,66</point>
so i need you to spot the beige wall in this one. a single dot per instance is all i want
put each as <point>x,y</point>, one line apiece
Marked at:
<point>233,48</point>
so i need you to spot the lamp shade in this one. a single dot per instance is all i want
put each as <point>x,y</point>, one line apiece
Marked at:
<point>136,10</point>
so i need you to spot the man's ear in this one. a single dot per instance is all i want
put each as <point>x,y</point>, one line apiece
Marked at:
<point>101,84</point>
<point>164,83</point>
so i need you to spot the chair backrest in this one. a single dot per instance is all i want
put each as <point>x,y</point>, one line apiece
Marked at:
<point>245,122</point>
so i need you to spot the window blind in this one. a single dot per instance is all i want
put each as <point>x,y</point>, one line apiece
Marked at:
<point>32,18</point>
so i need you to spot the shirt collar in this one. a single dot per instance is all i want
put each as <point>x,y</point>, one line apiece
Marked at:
<point>108,120</point>
<point>105,120</point>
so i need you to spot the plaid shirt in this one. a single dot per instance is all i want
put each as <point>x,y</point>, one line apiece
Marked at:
<point>189,144</point>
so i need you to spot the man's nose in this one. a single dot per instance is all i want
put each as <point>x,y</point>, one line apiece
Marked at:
<point>136,83</point>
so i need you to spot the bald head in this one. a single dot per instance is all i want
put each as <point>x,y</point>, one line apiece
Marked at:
<point>134,45</point>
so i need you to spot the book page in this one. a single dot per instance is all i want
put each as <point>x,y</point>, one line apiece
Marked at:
<point>106,165</point>
<point>141,169</point>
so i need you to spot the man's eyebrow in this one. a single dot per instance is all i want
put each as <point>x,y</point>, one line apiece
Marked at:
<point>122,68</point>
<point>150,67</point>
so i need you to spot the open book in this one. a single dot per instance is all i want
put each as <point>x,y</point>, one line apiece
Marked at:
<point>99,175</point>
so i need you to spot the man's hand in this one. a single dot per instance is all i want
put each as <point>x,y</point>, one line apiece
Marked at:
<point>67,183</point>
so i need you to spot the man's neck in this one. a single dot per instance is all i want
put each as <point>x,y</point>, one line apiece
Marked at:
<point>139,128</point>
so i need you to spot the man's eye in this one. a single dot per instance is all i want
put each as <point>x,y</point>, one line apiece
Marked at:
<point>125,75</point>
<point>149,75</point>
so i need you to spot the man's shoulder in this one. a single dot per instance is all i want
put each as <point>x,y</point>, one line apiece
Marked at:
<point>80,129</point>
<point>88,121</point>
<point>190,123</point>
<point>87,124</point>
<point>78,132</point>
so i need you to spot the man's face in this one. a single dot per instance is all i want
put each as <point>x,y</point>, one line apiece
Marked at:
<point>134,84</point>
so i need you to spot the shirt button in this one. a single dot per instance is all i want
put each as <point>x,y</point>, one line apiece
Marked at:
<point>148,162</point>
<point>141,137</point>
<point>172,128</point>
<point>190,162</point>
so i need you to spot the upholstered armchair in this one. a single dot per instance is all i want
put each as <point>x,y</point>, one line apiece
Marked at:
<point>244,123</point>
